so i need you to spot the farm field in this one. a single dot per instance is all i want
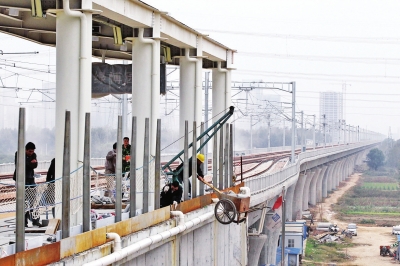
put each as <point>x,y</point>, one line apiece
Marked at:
<point>360,250</point>
<point>373,200</point>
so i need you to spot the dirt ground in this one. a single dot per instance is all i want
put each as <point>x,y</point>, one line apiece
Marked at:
<point>369,238</point>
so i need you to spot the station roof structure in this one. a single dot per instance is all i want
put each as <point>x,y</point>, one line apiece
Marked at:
<point>36,21</point>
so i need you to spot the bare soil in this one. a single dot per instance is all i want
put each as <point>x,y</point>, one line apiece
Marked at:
<point>369,238</point>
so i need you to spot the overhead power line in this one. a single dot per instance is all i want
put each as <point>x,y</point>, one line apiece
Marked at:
<point>363,60</point>
<point>346,39</point>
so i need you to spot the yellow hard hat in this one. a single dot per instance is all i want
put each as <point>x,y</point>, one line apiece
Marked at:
<point>200,157</point>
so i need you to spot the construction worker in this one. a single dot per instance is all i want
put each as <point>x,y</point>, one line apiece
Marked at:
<point>200,175</point>
<point>171,194</point>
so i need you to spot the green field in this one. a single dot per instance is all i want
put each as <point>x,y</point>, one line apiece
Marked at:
<point>380,186</point>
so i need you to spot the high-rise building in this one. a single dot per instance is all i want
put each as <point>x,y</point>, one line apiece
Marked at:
<point>331,105</point>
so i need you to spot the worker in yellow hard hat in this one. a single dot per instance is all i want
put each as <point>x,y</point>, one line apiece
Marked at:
<point>200,175</point>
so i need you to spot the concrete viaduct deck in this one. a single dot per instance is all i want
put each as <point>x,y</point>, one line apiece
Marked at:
<point>196,237</point>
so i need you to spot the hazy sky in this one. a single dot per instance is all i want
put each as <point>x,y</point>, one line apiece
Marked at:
<point>319,44</point>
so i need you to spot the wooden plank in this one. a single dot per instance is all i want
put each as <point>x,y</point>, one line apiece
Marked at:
<point>52,227</point>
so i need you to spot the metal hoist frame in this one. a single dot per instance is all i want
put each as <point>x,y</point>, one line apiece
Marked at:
<point>208,136</point>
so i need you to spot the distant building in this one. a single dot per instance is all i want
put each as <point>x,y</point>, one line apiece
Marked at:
<point>331,105</point>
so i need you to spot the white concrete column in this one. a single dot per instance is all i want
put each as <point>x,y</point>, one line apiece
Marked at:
<point>331,180</point>
<point>221,92</point>
<point>256,244</point>
<point>187,93</point>
<point>74,83</point>
<point>320,183</point>
<point>313,186</point>
<point>145,88</point>
<point>298,196</point>
<point>325,181</point>
<point>289,201</point>
<point>306,190</point>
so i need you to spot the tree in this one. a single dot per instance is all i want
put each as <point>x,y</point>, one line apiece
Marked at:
<point>375,158</point>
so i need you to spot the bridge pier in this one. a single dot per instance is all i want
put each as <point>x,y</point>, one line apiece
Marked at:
<point>340,172</point>
<point>320,182</point>
<point>325,181</point>
<point>256,245</point>
<point>333,175</point>
<point>298,194</point>
<point>306,190</point>
<point>289,201</point>
<point>313,186</point>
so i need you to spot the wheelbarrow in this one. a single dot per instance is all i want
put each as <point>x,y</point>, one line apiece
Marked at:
<point>231,207</point>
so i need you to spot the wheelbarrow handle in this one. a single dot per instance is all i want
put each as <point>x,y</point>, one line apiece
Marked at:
<point>211,186</point>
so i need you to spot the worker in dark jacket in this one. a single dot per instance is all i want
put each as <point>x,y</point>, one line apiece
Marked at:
<point>200,175</point>
<point>51,188</point>
<point>30,190</point>
<point>171,194</point>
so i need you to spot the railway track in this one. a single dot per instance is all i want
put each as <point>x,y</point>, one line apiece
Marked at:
<point>7,191</point>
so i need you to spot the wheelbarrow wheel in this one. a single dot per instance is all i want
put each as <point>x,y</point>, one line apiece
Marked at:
<point>225,211</point>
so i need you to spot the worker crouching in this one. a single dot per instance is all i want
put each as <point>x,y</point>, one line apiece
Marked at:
<point>171,194</point>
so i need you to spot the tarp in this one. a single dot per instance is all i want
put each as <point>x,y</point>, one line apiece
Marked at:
<point>117,79</point>
<point>111,79</point>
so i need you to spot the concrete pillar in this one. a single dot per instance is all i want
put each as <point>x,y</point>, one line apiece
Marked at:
<point>187,94</point>
<point>340,172</point>
<point>298,195</point>
<point>320,182</point>
<point>333,175</point>
<point>256,244</point>
<point>221,91</point>
<point>325,181</point>
<point>306,190</point>
<point>313,186</point>
<point>268,252</point>
<point>264,257</point>
<point>346,167</point>
<point>73,93</point>
<point>330,180</point>
<point>289,201</point>
<point>146,88</point>
<point>342,175</point>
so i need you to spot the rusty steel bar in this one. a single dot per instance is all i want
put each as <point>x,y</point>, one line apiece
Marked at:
<point>20,180</point>
<point>185,163</point>
<point>86,177</point>
<point>132,181</point>
<point>157,167</point>
<point>146,166</point>
<point>194,163</point>
<point>118,174</point>
<point>66,187</point>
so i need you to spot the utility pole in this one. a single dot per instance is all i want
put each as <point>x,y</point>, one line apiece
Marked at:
<point>284,133</point>
<point>344,131</point>
<point>302,131</point>
<point>269,131</point>
<point>251,133</point>
<point>349,133</point>
<point>314,132</point>
<point>340,129</point>
<point>324,125</point>
<point>293,122</point>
